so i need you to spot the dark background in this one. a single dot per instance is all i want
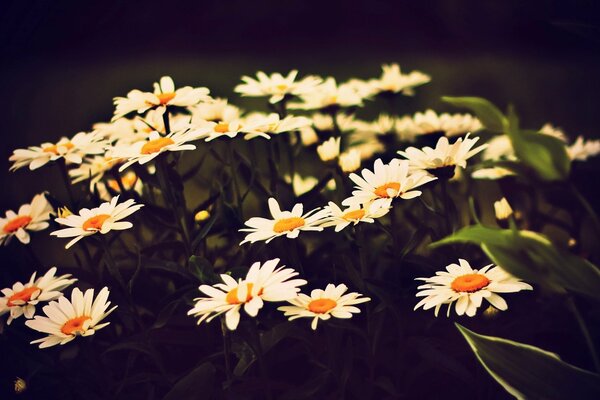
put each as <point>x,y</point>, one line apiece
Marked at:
<point>64,61</point>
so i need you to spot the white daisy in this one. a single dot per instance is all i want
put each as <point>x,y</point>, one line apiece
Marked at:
<point>324,122</point>
<point>444,155</point>
<point>92,169</point>
<point>145,151</point>
<point>386,182</point>
<point>394,81</point>
<point>216,110</point>
<point>582,149</point>
<point>492,173</point>
<point>430,122</point>
<point>258,124</point>
<point>72,150</point>
<point>330,149</point>
<point>164,95</point>
<point>468,287</point>
<point>21,299</point>
<point>30,217</point>
<point>65,320</point>
<point>350,160</point>
<point>353,214</point>
<point>277,86</point>
<point>329,94</point>
<point>262,283</point>
<point>284,223</point>
<point>324,304</point>
<point>101,219</point>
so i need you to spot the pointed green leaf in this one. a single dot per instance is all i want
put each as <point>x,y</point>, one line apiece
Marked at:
<point>528,372</point>
<point>198,384</point>
<point>489,115</point>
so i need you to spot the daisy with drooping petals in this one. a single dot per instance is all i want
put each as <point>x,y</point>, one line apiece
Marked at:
<point>429,122</point>
<point>21,299</point>
<point>101,219</point>
<point>444,157</point>
<point>354,214</point>
<point>277,86</point>
<point>65,320</point>
<point>386,182</point>
<point>324,304</point>
<point>145,151</point>
<point>72,150</point>
<point>392,80</point>
<point>262,283</point>
<point>31,217</point>
<point>284,223</point>
<point>468,287</point>
<point>164,95</point>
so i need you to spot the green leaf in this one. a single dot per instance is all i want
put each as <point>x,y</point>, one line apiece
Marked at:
<point>532,257</point>
<point>204,270</point>
<point>489,115</point>
<point>528,372</point>
<point>198,384</point>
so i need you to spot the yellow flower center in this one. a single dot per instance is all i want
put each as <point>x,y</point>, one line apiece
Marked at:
<point>222,127</point>
<point>354,215</point>
<point>74,325</point>
<point>232,295</point>
<point>54,147</point>
<point>281,87</point>
<point>95,223</point>
<point>288,224</point>
<point>128,182</point>
<point>24,295</point>
<point>153,146</point>
<point>321,306</point>
<point>164,98</point>
<point>16,223</point>
<point>469,283</point>
<point>382,191</point>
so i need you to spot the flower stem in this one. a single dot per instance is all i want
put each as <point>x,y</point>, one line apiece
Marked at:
<point>226,351</point>
<point>585,332</point>
<point>258,352</point>
<point>166,122</point>
<point>111,264</point>
<point>62,165</point>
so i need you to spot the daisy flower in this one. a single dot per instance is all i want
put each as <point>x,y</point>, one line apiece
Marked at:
<point>468,287</point>
<point>65,320</point>
<point>330,149</point>
<point>101,219</point>
<point>444,156</point>
<point>129,181</point>
<point>262,283</point>
<point>163,96</point>
<point>72,150</point>
<point>92,169</point>
<point>258,124</point>
<point>386,182</point>
<point>146,150</point>
<point>492,173</point>
<point>30,217</point>
<point>277,86</point>
<point>353,214</point>
<point>284,223</point>
<point>21,299</point>
<point>329,94</point>
<point>582,149</point>
<point>216,110</point>
<point>429,122</point>
<point>392,80</point>
<point>324,304</point>
<point>350,160</point>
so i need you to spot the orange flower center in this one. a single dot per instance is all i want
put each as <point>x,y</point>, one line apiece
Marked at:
<point>128,182</point>
<point>54,148</point>
<point>222,127</point>
<point>74,325</point>
<point>382,191</point>
<point>321,306</point>
<point>288,224</point>
<point>354,215</point>
<point>164,98</point>
<point>232,295</point>
<point>95,223</point>
<point>153,146</point>
<point>469,283</point>
<point>16,223</point>
<point>23,295</point>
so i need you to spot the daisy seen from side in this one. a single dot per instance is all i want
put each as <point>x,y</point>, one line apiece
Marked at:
<point>354,214</point>
<point>30,217</point>
<point>277,86</point>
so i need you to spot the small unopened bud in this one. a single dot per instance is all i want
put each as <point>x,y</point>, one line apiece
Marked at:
<point>20,385</point>
<point>201,216</point>
<point>491,312</point>
<point>502,209</point>
<point>350,160</point>
<point>63,212</point>
<point>330,149</point>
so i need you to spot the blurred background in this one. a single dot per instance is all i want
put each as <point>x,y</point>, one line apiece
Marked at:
<point>64,61</point>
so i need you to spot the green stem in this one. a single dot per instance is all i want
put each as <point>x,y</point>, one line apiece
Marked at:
<point>447,201</point>
<point>111,264</point>
<point>234,179</point>
<point>258,352</point>
<point>226,351</point>
<point>585,332</point>
<point>62,165</point>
